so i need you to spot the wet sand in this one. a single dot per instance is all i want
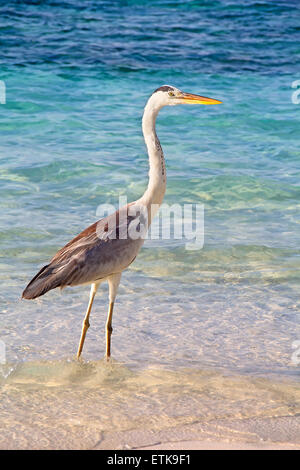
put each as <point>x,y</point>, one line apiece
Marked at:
<point>282,433</point>
<point>67,405</point>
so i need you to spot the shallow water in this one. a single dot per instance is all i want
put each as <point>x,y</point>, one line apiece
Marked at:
<point>77,79</point>
<point>66,404</point>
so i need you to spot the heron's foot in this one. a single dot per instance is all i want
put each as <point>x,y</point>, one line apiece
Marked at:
<point>109,359</point>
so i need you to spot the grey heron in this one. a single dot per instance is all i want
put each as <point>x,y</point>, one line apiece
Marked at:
<point>103,250</point>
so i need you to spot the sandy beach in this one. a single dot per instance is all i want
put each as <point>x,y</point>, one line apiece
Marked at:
<point>67,405</point>
<point>281,433</point>
<point>250,434</point>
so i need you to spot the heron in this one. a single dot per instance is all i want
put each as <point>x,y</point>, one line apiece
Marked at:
<point>106,248</point>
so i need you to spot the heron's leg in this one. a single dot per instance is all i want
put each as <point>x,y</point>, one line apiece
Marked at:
<point>109,329</point>
<point>113,282</point>
<point>86,323</point>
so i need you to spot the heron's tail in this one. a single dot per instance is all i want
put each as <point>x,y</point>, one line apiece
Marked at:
<point>44,281</point>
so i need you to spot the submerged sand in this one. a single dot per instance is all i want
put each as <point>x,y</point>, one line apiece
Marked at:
<point>67,405</point>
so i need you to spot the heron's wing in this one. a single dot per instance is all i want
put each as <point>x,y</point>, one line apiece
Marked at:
<point>100,250</point>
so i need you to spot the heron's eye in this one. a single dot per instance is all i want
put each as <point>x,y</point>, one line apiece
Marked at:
<point>171,93</point>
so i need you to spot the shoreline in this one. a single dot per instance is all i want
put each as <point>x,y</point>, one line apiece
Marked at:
<point>70,405</point>
<point>275,433</point>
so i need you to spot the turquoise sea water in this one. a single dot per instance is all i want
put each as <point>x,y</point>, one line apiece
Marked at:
<point>77,77</point>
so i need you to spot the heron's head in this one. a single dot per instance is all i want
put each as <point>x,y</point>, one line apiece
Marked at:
<point>168,95</point>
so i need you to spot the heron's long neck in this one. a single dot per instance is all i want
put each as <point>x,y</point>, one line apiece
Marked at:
<point>157,175</point>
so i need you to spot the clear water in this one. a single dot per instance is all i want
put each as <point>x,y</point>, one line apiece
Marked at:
<point>77,78</point>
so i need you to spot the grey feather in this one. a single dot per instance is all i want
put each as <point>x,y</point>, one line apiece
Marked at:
<point>96,253</point>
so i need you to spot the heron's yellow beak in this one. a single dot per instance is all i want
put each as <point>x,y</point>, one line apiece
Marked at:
<point>189,98</point>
